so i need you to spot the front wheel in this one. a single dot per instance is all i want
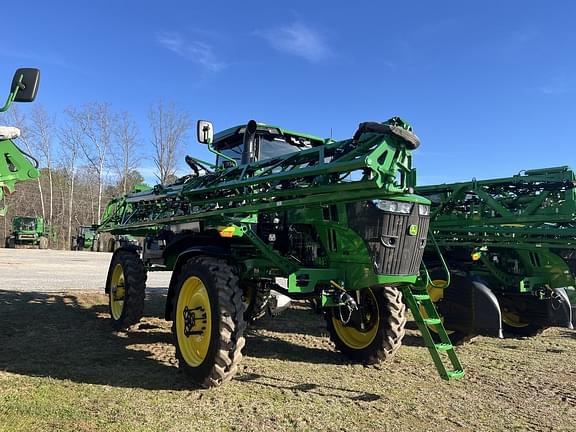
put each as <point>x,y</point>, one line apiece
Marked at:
<point>126,286</point>
<point>374,332</point>
<point>43,242</point>
<point>209,324</point>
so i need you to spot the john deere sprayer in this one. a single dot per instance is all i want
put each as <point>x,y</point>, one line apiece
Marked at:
<point>15,164</point>
<point>310,218</point>
<point>510,244</point>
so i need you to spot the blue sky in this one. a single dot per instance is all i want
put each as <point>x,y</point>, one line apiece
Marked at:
<point>489,86</point>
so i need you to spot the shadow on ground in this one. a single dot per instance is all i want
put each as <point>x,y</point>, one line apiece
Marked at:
<point>66,337</point>
<point>69,336</point>
<point>312,388</point>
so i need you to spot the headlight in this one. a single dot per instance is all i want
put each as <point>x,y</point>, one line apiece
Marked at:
<point>394,206</point>
<point>423,210</point>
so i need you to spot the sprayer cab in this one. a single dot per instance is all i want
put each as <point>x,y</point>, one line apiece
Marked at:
<point>253,141</point>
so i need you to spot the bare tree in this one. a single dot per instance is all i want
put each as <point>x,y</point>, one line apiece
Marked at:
<point>95,122</point>
<point>70,140</point>
<point>41,130</point>
<point>125,155</point>
<point>169,129</point>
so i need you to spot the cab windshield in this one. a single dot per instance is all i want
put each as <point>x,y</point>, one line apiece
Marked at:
<point>267,146</point>
<point>27,224</point>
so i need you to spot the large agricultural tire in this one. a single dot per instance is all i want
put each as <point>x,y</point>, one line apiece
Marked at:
<point>384,317</point>
<point>43,242</point>
<point>255,297</point>
<point>208,321</point>
<point>514,324</point>
<point>126,287</point>
<point>11,243</point>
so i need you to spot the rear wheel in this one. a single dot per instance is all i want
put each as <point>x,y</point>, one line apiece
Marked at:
<point>43,242</point>
<point>515,324</point>
<point>209,324</point>
<point>374,332</point>
<point>126,286</point>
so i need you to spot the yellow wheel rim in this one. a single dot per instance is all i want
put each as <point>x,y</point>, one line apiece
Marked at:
<point>356,338</point>
<point>117,292</point>
<point>193,321</point>
<point>436,293</point>
<point>513,319</point>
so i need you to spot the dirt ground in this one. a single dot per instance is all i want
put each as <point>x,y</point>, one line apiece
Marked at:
<point>62,368</point>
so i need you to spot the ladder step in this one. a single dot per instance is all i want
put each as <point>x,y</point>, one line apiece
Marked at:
<point>432,321</point>
<point>443,346</point>
<point>456,374</point>
<point>420,297</point>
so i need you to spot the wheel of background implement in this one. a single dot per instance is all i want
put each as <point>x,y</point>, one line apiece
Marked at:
<point>43,242</point>
<point>436,293</point>
<point>126,285</point>
<point>111,245</point>
<point>208,324</point>
<point>255,297</point>
<point>11,243</point>
<point>374,332</point>
<point>513,323</point>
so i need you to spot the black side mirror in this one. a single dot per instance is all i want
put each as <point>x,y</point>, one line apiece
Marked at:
<point>26,81</point>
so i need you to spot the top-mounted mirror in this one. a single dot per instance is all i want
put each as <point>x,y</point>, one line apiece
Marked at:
<point>26,81</point>
<point>204,132</point>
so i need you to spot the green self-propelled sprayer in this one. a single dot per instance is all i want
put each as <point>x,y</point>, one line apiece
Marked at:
<point>15,164</point>
<point>510,245</point>
<point>336,222</point>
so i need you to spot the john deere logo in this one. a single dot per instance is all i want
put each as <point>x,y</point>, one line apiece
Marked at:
<point>413,230</point>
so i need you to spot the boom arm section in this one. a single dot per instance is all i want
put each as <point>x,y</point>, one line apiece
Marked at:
<point>15,166</point>
<point>536,207</point>
<point>377,162</point>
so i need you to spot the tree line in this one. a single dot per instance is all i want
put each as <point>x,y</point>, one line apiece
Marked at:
<point>88,155</point>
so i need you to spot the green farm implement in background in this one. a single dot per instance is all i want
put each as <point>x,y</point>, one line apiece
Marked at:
<point>333,222</point>
<point>15,164</point>
<point>84,238</point>
<point>30,232</point>
<point>510,245</point>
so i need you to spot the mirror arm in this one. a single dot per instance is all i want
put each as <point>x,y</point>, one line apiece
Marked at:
<point>13,94</point>
<point>217,153</point>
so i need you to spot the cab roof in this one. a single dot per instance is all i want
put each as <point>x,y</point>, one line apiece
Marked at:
<point>262,127</point>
